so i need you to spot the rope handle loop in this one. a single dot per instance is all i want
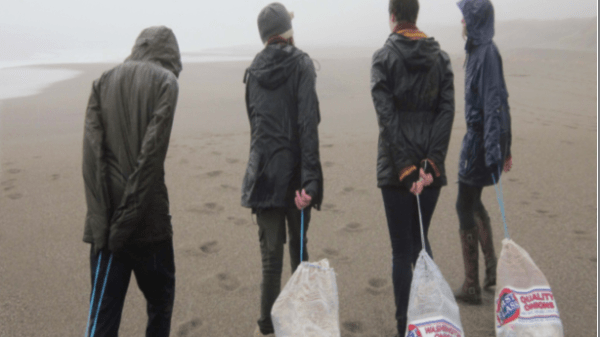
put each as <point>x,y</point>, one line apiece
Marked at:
<point>500,197</point>
<point>301,234</point>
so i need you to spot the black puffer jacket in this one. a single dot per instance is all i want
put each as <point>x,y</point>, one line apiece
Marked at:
<point>127,129</point>
<point>413,93</point>
<point>283,111</point>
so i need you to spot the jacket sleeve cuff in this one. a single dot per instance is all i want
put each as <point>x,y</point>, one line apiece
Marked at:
<point>409,175</point>
<point>431,167</point>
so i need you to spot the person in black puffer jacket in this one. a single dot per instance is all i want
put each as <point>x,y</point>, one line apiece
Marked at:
<point>413,93</point>
<point>284,172</point>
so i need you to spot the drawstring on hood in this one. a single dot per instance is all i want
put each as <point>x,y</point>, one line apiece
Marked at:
<point>158,45</point>
<point>479,18</point>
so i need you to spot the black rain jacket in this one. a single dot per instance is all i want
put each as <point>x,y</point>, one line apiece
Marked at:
<point>487,142</point>
<point>413,92</point>
<point>127,129</point>
<point>283,110</point>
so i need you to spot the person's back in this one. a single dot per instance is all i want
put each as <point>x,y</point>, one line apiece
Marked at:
<point>127,130</point>
<point>280,85</point>
<point>417,74</point>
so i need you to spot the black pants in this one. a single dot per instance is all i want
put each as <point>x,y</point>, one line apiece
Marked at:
<point>154,270</point>
<point>402,215</point>
<point>272,236</point>
<point>467,204</point>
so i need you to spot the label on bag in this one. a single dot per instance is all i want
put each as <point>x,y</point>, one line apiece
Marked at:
<point>433,327</point>
<point>529,306</point>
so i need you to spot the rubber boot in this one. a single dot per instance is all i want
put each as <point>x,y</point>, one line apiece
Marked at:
<point>487,247</point>
<point>470,292</point>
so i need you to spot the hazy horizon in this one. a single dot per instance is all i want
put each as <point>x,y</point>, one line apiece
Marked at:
<point>108,29</point>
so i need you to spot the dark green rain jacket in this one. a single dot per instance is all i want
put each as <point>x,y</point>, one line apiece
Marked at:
<point>127,129</point>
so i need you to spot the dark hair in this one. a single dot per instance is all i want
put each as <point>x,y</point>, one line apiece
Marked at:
<point>405,10</point>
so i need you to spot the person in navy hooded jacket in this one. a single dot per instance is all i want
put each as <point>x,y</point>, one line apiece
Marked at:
<point>486,146</point>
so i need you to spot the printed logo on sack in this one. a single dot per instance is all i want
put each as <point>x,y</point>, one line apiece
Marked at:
<point>508,308</point>
<point>413,331</point>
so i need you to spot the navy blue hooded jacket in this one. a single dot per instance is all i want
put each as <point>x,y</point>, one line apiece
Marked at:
<point>487,142</point>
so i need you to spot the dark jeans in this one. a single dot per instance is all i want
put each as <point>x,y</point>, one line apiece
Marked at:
<point>402,215</point>
<point>468,204</point>
<point>154,270</point>
<point>271,233</point>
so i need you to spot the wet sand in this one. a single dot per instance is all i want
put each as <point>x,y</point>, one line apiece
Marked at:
<point>550,198</point>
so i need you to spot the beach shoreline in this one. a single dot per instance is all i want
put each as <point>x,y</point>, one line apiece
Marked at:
<point>550,200</point>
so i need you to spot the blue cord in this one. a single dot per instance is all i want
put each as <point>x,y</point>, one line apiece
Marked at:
<point>101,295</point>
<point>500,198</point>
<point>301,235</point>
<point>87,327</point>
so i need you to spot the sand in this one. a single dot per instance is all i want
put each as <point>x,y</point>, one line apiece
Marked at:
<point>550,198</point>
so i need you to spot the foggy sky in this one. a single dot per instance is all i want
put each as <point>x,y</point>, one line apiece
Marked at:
<point>202,24</point>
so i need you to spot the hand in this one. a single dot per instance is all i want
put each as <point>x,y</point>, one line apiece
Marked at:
<point>427,178</point>
<point>417,187</point>
<point>508,164</point>
<point>302,200</point>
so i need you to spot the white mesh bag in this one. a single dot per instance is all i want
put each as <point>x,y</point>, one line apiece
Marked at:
<point>525,305</point>
<point>432,309</point>
<point>308,304</point>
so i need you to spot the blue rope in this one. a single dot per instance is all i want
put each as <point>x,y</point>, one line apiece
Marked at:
<point>101,295</point>
<point>87,327</point>
<point>301,235</point>
<point>500,197</point>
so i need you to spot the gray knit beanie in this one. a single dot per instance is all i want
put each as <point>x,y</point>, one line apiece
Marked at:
<point>273,20</point>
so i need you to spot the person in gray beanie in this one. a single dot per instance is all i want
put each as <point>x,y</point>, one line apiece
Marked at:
<point>284,175</point>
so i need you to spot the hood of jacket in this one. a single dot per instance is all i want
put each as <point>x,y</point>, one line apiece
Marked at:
<point>417,54</point>
<point>157,45</point>
<point>479,18</point>
<point>274,64</point>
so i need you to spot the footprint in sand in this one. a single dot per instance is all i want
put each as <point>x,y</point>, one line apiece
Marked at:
<point>353,227</point>
<point>184,161</point>
<point>187,328</point>
<point>13,171</point>
<point>580,232</point>
<point>227,281</point>
<point>239,221</point>
<point>8,182</point>
<point>541,211</point>
<point>229,187</point>
<point>211,247</point>
<point>232,160</point>
<point>328,164</point>
<point>8,188</point>
<point>348,189</point>
<point>327,145</point>
<point>513,179</point>
<point>207,208</point>
<point>213,174</point>
<point>594,259</point>
<point>15,196</point>
<point>216,153</point>
<point>329,207</point>
<point>377,286</point>
<point>333,255</point>
<point>524,202</point>
<point>353,326</point>
<point>55,176</point>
